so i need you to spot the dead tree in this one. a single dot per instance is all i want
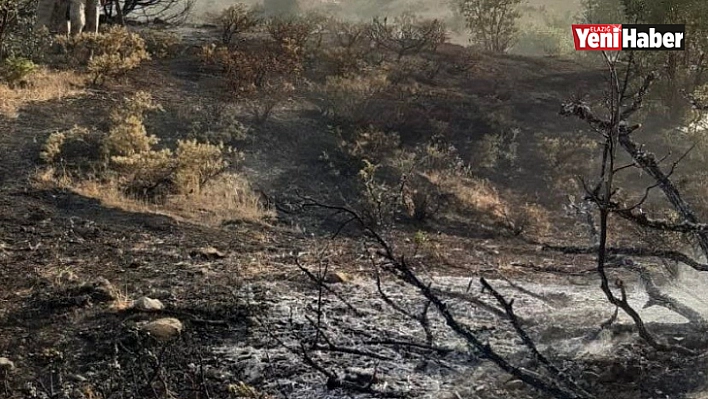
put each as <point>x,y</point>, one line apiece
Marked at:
<point>170,11</point>
<point>407,36</point>
<point>616,133</point>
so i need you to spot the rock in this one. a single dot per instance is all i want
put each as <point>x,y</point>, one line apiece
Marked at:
<point>207,253</point>
<point>146,304</point>
<point>6,364</point>
<point>163,329</point>
<point>77,378</point>
<point>514,385</point>
<point>336,278</point>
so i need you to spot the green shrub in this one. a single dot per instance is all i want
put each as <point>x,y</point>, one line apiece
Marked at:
<point>15,70</point>
<point>75,150</point>
<point>107,54</point>
<point>214,123</point>
<point>127,135</point>
<point>127,156</point>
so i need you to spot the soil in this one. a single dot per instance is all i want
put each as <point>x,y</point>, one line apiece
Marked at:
<point>67,262</point>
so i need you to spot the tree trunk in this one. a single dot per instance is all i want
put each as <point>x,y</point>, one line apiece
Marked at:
<point>119,13</point>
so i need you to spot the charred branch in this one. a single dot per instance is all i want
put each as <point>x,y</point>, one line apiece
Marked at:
<point>399,266</point>
<point>321,284</point>
<point>658,298</point>
<point>616,133</point>
<point>528,342</point>
<point>421,318</point>
<point>636,252</point>
<point>645,160</point>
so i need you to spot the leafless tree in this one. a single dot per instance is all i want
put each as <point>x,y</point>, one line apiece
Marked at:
<point>406,35</point>
<point>170,11</point>
<point>616,132</point>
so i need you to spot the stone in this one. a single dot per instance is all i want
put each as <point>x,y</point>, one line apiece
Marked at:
<point>163,329</point>
<point>6,364</point>
<point>336,278</point>
<point>514,385</point>
<point>77,378</point>
<point>146,304</point>
<point>207,253</point>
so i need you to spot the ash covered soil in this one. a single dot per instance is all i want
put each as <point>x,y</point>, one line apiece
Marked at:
<point>71,267</point>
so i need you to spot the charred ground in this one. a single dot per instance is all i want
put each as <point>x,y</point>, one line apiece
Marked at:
<point>71,263</point>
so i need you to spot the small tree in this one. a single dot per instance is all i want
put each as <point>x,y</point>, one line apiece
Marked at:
<point>407,34</point>
<point>492,23</point>
<point>261,80</point>
<point>290,31</point>
<point>235,20</point>
<point>617,135</point>
<point>8,16</point>
<point>18,38</point>
<point>172,11</point>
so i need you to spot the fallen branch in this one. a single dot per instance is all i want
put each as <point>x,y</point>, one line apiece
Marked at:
<point>528,342</point>
<point>658,298</point>
<point>400,267</point>
<point>637,252</point>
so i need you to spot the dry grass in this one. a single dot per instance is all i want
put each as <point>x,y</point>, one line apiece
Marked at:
<point>122,301</point>
<point>225,198</point>
<point>492,207</point>
<point>476,194</point>
<point>228,197</point>
<point>44,85</point>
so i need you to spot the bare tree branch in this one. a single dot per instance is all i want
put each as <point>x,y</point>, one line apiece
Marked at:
<point>511,316</point>
<point>400,265</point>
<point>638,252</point>
<point>616,132</point>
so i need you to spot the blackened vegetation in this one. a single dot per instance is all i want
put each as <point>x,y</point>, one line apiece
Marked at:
<point>616,133</point>
<point>117,359</point>
<point>555,377</point>
<point>386,263</point>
